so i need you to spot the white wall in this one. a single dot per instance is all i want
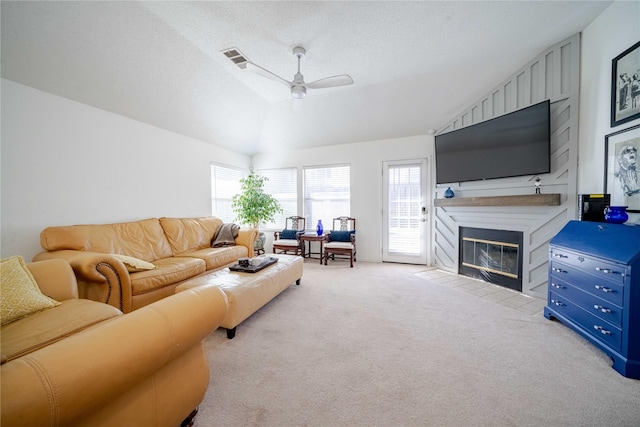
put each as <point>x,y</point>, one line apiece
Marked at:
<point>610,34</point>
<point>67,163</point>
<point>365,159</point>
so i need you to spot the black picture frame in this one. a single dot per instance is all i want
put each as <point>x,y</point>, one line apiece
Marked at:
<point>625,86</point>
<point>618,146</point>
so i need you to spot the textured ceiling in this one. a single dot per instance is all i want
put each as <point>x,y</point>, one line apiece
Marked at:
<point>415,64</point>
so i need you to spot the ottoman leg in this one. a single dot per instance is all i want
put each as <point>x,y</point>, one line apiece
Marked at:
<point>231,333</point>
<point>298,281</point>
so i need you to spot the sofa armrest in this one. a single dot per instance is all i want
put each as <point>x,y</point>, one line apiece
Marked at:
<point>247,237</point>
<point>55,278</point>
<point>101,277</point>
<point>74,378</point>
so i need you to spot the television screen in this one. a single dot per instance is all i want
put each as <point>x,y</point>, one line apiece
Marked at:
<point>515,144</point>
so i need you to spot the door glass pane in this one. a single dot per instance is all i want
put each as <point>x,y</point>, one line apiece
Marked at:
<point>405,217</point>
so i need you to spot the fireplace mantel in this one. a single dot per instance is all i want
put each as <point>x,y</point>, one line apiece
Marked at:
<point>521,200</point>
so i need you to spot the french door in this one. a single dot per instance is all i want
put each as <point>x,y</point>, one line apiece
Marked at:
<point>405,211</point>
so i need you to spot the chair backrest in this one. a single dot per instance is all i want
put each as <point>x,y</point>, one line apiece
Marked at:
<point>295,223</point>
<point>344,223</point>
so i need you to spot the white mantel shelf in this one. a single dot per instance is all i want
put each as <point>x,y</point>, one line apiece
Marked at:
<point>522,200</point>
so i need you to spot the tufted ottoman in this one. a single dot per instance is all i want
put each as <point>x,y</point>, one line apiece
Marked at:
<point>248,292</point>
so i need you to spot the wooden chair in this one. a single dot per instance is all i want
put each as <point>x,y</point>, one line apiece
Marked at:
<point>288,240</point>
<point>341,241</point>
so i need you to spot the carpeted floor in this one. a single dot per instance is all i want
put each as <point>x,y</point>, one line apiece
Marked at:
<point>400,345</point>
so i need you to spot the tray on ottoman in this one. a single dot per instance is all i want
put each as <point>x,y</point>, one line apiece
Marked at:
<point>254,268</point>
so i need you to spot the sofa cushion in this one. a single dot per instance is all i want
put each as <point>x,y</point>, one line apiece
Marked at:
<point>189,234</point>
<point>169,271</point>
<point>46,327</point>
<point>216,258</point>
<point>287,234</point>
<point>20,295</point>
<point>134,264</point>
<point>144,239</point>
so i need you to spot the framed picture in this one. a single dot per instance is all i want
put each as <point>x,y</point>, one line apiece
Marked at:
<point>621,168</point>
<point>625,86</point>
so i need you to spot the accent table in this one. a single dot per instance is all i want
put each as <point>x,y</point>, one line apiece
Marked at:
<point>313,237</point>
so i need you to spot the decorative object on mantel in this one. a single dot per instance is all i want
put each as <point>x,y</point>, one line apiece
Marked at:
<point>621,178</point>
<point>449,193</point>
<point>319,228</point>
<point>538,184</point>
<point>616,214</point>
<point>625,86</point>
<point>521,200</point>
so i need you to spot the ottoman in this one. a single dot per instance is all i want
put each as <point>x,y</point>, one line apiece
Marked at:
<point>248,292</point>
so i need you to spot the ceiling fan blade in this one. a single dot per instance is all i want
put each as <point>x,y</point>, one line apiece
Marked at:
<point>266,73</point>
<point>333,81</point>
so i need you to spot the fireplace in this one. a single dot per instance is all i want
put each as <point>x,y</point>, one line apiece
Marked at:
<point>494,256</point>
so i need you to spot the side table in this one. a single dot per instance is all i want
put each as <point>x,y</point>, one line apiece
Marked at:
<point>313,238</point>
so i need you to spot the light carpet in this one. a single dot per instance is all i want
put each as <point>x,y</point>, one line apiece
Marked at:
<point>399,345</point>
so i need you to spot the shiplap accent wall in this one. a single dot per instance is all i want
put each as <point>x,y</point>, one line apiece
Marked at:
<point>553,75</point>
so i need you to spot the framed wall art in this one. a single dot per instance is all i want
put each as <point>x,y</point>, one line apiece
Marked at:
<point>621,168</point>
<point>625,86</point>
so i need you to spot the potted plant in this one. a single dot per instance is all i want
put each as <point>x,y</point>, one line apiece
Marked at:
<point>253,206</point>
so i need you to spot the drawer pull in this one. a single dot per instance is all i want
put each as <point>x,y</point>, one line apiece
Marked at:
<point>560,256</point>
<point>605,270</point>
<point>557,270</point>
<point>602,309</point>
<point>602,330</point>
<point>604,289</point>
<point>556,302</point>
<point>555,285</point>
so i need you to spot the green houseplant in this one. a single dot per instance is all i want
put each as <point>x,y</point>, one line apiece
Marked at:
<point>253,206</point>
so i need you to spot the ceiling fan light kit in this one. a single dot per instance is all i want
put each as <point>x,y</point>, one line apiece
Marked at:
<point>298,86</point>
<point>298,92</point>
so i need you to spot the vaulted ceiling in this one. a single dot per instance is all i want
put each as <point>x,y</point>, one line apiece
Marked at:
<point>415,64</point>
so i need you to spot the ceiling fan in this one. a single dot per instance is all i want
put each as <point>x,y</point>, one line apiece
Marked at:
<point>298,86</point>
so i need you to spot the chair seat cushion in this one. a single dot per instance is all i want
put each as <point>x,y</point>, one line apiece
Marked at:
<point>286,242</point>
<point>338,245</point>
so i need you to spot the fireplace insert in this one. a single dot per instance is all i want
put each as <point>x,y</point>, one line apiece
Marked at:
<point>494,256</point>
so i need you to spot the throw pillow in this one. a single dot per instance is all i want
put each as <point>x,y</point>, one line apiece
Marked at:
<point>341,236</point>
<point>288,234</point>
<point>20,295</point>
<point>134,264</point>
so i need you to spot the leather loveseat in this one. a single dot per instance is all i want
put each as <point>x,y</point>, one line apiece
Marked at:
<point>85,363</point>
<point>131,264</point>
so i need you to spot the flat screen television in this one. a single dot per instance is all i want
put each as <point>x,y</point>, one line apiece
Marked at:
<point>516,144</point>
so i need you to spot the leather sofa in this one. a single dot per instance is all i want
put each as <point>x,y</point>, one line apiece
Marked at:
<point>85,363</point>
<point>166,253</point>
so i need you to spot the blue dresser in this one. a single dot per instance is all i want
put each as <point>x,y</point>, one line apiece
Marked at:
<point>594,288</point>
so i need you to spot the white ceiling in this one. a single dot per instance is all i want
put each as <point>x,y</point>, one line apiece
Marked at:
<point>415,64</point>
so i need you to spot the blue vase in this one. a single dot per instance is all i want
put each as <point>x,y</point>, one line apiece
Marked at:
<point>449,193</point>
<point>319,228</point>
<point>616,214</point>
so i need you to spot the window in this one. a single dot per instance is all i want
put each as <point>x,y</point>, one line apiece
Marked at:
<point>283,185</point>
<point>327,194</point>
<point>225,183</point>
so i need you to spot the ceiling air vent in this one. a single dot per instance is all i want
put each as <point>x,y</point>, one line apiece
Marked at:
<point>236,57</point>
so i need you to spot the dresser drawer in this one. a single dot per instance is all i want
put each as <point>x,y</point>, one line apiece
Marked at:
<point>603,270</point>
<point>592,325</point>
<point>601,308</point>
<point>601,287</point>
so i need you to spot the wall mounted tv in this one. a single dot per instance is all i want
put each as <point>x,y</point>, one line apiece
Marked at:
<point>515,144</point>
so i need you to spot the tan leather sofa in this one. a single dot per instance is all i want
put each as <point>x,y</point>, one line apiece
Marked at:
<point>85,363</point>
<point>178,248</point>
